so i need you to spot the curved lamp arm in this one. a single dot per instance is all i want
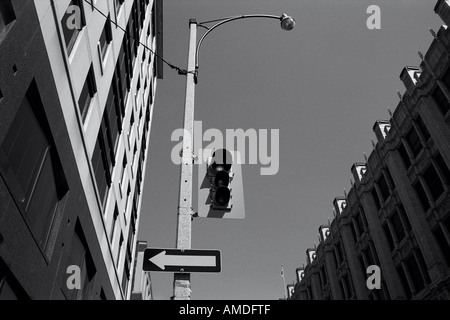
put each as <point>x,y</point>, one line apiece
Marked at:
<point>287,23</point>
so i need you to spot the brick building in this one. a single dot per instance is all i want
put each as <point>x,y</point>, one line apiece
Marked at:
<point>397,213</point>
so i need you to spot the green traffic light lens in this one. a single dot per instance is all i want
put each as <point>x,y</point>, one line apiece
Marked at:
<point>222,196</point>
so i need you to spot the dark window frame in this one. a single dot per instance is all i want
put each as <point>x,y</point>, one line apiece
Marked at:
<point>10,287</point>
<point>439,96</point>
<point>404,155</point>
<point>384,188</point>
<point>433,182</point>
<point>7,15</point>
<point>423,198</point>
<point>413,140</point>
<point>38,192</point>
<point>87,93</point>
<point>105,38</point>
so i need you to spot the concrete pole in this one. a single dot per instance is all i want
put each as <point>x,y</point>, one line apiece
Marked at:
<point>182,283</point>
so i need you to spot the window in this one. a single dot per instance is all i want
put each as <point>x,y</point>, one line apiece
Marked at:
<point>348,288</point>
<point>445,172</point>
<point>120,248</point>
<point>397,226</point>
<point>103,158</point>
<point>447,224</point>
<point>323,276</point>
<point>443,244</point>
<point>433,182</point>
<point>309,293</point>
<point>361,265</point>
<point>113,223</point>
<point>105,38</point>
<point>153,20</point>
<point>134,152</point>
<point>128,198</point>
<point>340,252</point>
<point>404,155</point>
<point>389,179</point>
<point>414,142</point>
<point>72,23</point>
<point>404,281</point>
<point>369,256</point>
<point>376,199</point>
<point>415,274</point>
<point>102,294</point>
<point>113,118</point>
<point>383,187</point>
<point>117,4</point>
<point>32,166</point>
<point>125,279</point>
<point>6,14</point>
<point>87,93</point>
<point>441,99</point>
<point>99,163</point>
<point>110,132</point>
<point>403,216</point>
<point>139,175</point>
<point>124,166</point>
<point>422,196</point>
<point>334,258</point>
<point>388,234</point>
<point>118,100</point>
<point>122,76</point>
<point>422,128</point>
<point>134,211</point>
<point>422,265</point>
<point>80,256</point>
<point>10,288</point>
<point>352,228</point>
<point>359,218</point>
<point>128,258</point>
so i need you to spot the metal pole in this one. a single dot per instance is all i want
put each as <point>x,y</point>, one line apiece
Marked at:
<point>284,282</point>
<point>182,281</point>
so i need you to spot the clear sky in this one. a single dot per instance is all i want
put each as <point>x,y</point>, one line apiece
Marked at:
<point>323,85</point>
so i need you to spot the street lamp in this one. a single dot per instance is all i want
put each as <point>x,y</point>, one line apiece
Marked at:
<point>287,23</point>
<point>181,284</point>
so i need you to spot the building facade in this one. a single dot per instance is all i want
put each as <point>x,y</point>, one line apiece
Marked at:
<point>142,282</point>
<point>396,215</point>
<point>77,87</point>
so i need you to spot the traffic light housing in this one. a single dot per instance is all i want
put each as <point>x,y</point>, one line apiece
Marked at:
<point>220,174</point>
<point>221,189</point>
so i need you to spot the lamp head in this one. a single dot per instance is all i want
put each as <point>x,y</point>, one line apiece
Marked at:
<point>287,22</point>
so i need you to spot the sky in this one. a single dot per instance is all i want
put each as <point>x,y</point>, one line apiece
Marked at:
<point>322,85</point>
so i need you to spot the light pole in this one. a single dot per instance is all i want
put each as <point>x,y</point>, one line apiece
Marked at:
<point>284,282</point>
<point>181,284</point>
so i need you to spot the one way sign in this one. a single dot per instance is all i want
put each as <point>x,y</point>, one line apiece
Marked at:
<point>178,260</point>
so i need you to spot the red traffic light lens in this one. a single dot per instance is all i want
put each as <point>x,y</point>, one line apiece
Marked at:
<point>222,160</point>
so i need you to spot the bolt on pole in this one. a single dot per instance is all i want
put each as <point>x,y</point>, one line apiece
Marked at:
<point>182,282</point>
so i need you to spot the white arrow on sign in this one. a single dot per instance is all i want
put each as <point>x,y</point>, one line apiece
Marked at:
<point>162,260</point>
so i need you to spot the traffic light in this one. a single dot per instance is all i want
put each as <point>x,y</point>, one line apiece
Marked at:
<point>221,190</point>
<point>220,173</point>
